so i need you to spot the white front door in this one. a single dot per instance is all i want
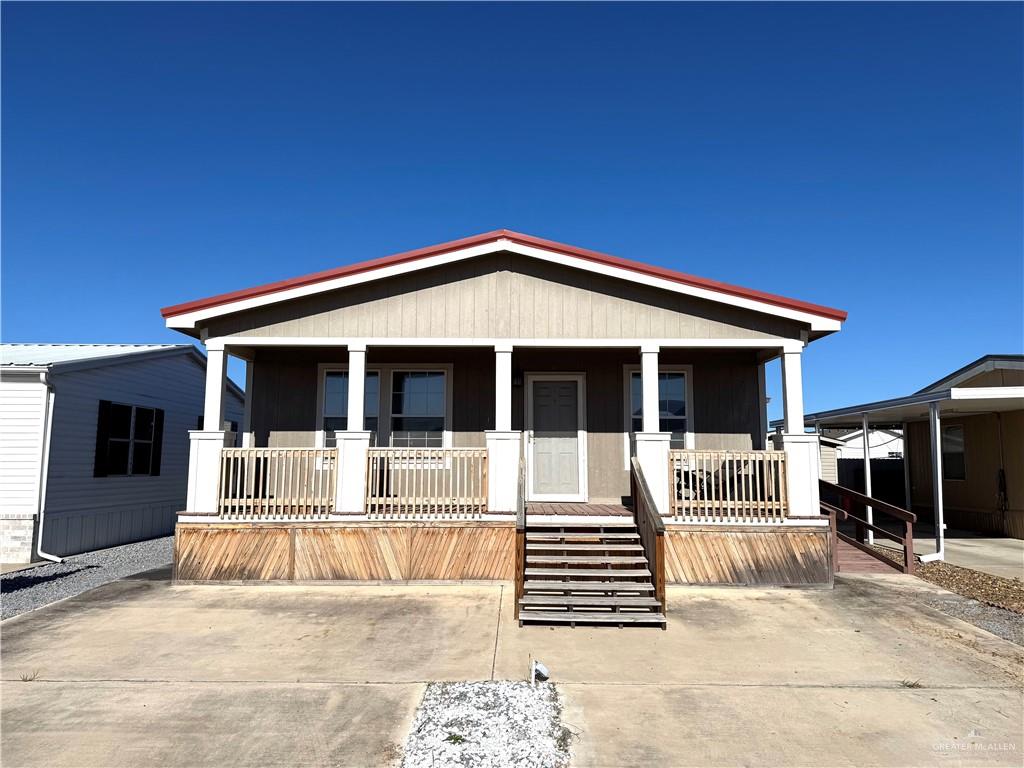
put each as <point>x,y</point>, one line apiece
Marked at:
<point>556,460</point>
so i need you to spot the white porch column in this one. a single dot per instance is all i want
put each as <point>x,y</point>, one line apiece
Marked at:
<point>205,444</point>
<point>803,458</point>
<point>935,430</point>
<point>864,427</point>
<point>356,386</point>
<point>651,444</point>
<point>504,447</point>
<point>503,387</point>
<point>792,394</point>
<point>216,380</point>
<point>649,388</point>
<point>247,436</point>
<point>354,441</point>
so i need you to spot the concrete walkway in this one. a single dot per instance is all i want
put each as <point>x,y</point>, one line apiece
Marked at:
<point>998,556</point>
<point>140,673</point>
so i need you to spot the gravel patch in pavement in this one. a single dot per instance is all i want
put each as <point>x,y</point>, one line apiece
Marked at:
<point>494,724</point>
<point>32,588</point>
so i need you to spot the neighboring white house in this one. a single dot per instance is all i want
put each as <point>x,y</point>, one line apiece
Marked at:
<point>883,444</point>
<point>94,443</point>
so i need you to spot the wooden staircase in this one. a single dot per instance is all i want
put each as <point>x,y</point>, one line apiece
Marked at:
<point>591,571</point>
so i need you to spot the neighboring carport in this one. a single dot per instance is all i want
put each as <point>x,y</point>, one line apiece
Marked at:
<point>931,407</point>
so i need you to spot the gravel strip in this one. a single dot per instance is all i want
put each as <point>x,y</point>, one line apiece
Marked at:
<point>997,591</point>
<point>999,621</point>
<point>496,724</point>
<point>994,590</point>
<point>33,588</point>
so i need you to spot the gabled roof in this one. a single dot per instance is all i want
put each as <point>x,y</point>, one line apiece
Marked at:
<point>982,364</point>
<point>820,318</point>
<point>61,358</point>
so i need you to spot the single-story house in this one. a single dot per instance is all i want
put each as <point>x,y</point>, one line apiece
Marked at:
<point>507,407</point>
<point>963,448</point>
<point>94,443</point>
<point>882,443</point>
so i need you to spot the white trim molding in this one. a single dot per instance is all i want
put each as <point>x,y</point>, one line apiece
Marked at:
<point>581,434</point>
<point>773,343</point>
<point>628,442</point>
<point>384,371</point>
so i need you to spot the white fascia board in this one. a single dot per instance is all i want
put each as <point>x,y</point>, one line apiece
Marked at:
<point>985,393</point>
<point>881,405</point>
<point>190,319</point>
<point>224,342</point>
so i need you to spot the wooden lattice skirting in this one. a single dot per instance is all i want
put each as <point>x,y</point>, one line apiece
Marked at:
<point>399,551</point>
<point>750,555</point>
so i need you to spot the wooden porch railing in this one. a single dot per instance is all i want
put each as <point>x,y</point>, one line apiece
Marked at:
<point>426,483</point>
<point>849,500</point>
<point>651,528</point>
<point>520,574</point>
<point>727,486</point>
<point>277,483</point>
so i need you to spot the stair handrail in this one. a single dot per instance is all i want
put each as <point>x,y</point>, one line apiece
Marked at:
<point>848,497</point>
<point>651,528</point>
<point>520,567</point>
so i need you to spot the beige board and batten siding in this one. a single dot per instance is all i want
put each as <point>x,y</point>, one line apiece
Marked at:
<point>725,388</point>
<point>83,512</point>
<point>503,296</point>
<point>991,441</point>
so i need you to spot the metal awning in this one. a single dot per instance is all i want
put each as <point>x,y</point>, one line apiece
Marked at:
<point>956,401</point>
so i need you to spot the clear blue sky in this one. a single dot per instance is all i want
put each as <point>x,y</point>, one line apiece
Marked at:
<point>862,156</point>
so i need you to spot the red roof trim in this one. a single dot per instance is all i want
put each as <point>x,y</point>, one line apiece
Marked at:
<point>454,245</point>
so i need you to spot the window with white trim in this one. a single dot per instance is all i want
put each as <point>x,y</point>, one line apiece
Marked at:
<point>335,405</point>
<point>418,409</point>
<point>672,405</point>
<point>954,467</point>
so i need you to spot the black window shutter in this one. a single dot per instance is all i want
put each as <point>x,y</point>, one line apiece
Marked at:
<point>158,440</point>
<point>99,467</point>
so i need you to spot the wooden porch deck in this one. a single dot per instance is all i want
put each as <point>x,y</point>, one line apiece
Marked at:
<point>576,509</point>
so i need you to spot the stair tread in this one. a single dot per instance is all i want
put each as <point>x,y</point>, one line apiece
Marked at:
<point>586,559</point>
<point>622,600</point>
<point>588,586</point>
<point>619,572</point>
<point>583,547</point>
<point>598,617</point>
<point>575,535</point>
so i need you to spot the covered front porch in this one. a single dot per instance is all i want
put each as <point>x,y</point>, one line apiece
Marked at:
<point>370,450</point>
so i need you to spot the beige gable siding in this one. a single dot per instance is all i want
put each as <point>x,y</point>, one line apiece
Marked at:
<point>504,296</point>
<point>1001,377</point>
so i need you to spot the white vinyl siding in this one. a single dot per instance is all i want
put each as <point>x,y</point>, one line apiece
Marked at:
<point>22,409</point>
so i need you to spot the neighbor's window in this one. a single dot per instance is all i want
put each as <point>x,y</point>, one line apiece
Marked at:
<point>671,405</point>
<point>953,465</point>
<point>129,439</point>
<point>417,409</point>
<point>336,405</point>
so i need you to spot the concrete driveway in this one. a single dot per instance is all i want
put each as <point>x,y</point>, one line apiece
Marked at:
<point>140,673</point>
